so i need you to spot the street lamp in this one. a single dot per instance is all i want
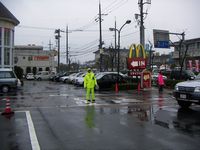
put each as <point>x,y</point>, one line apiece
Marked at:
<point>118,52</point>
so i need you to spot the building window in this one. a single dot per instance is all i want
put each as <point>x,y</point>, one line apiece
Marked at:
<point>30,58</point>
<point>7,37</point>
<point>198,45</point>
<point>192,46</point>
<point>28,69</point>
<point>15,60</point>
<point>6,56</point>
<point>34,70</point>
<point>47,69</point>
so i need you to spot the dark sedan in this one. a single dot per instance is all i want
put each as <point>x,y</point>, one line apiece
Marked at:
<point>107,80</point>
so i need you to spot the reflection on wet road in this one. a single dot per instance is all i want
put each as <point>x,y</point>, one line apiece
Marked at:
<point>124,120</point>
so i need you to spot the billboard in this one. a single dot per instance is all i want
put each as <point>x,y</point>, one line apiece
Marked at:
<point>161,38</point>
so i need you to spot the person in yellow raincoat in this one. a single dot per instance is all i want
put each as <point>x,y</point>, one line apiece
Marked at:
<point>89,84</point>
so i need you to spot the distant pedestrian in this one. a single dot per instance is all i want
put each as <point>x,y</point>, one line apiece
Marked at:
<point>89,84</point>
<point>161,82</point>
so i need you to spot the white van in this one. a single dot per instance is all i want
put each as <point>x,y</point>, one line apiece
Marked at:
<point>42,75</point>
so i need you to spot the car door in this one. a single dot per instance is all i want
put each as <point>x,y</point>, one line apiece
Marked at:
<point>45,75</point>
<point>105,81</point>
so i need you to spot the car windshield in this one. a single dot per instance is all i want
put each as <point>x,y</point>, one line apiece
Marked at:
<point>6,74</point>
<point>100,75</point>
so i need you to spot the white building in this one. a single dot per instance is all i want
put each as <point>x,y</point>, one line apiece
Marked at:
<point>32,58</point>
<point>7,25</point>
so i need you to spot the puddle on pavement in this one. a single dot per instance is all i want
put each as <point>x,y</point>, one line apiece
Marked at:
<point>183,120</point>
<point>172,118</point>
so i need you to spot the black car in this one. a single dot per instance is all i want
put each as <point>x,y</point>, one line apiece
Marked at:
<point>107,80</point>
<point>185,75</point>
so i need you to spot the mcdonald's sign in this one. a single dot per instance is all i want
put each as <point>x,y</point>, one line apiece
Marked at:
<point>137,57</point>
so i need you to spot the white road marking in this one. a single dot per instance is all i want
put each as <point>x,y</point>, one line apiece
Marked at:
<point>34,141</point>
<point>59,95</point>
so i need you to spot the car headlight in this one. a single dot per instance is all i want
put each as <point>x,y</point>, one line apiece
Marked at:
<point>176,87</point>
<point>197,89</point>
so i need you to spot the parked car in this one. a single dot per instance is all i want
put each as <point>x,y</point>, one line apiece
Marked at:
<point>52,75</point>
<point>187,92</point>
<point>30,76</point>
<point>79,81</point>
<point>8,80</point>
<point>42,75</point>
<point>106,80</point>
<point>67,78</point>
<point>185,75</point>
<point>58,77</point>
<point>64,79</point>
<point>72,77</point>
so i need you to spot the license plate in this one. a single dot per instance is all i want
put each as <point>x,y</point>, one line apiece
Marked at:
<point>183,96</point>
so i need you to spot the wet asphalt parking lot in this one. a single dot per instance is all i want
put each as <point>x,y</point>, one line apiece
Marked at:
<point>54,116</point>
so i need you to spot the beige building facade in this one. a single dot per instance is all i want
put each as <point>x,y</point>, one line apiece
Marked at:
<point>32,58</point>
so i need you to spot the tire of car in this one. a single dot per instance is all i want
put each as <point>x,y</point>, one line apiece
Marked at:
<point>184,104</point>
<point>39,79</point>
<point>5,89</point>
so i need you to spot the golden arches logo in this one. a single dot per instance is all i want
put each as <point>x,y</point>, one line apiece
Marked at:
<point>137,51</point>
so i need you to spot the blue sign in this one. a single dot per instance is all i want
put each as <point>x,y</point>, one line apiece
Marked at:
<point>162,44</point>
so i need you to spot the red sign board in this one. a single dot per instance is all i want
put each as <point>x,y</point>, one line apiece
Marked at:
<point>41,58</point>
<point>137,63</point>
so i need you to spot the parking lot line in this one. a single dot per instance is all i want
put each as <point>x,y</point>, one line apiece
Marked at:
<point>34,141</point>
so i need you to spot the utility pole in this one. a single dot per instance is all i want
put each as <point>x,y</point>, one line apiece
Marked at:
<point>141,21</point>
<point>67,47</point>
<point>115,44</point>
<point>100,36</point>
<point>50,44</point>
<point>142,40</point>
<point>57,36</point>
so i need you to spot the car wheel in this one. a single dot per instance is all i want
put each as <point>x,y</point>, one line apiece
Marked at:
<point>184,104</point>
<point>39,79</point>
<point>5,89</point>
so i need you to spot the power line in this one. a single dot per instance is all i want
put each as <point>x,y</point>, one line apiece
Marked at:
<point>116,6</point>
<point>37,28</point>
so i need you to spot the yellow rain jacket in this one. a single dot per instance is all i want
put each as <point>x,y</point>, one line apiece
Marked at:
<point>90,80</point>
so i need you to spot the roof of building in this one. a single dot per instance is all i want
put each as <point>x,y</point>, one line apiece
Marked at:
<point>28,47</point>
<point>189,41</point>
<point>6,15</point>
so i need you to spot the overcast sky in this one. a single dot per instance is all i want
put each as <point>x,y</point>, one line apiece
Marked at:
<point>39,18</point>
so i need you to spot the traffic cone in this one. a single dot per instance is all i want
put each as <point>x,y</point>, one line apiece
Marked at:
<point>116,88</point>
<point>7,110</point>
